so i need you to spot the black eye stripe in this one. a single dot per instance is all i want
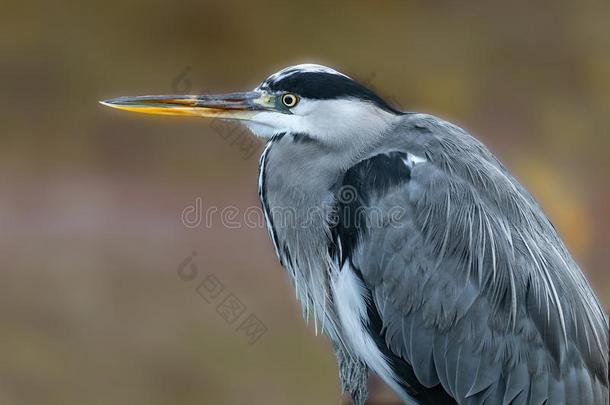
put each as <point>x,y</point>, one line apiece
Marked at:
<point>324,86</point>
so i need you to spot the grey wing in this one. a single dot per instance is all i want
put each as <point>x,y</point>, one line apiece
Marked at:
<point>471,290</point>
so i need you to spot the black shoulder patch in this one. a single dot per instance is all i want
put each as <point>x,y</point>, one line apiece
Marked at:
<point>369,178</point>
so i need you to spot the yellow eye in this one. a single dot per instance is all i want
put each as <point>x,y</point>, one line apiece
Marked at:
<point>289,100</point>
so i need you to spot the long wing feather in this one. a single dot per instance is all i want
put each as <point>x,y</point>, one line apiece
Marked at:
<point>474,287</point>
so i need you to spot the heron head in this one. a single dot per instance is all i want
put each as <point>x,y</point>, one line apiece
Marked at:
<point>309,99</point>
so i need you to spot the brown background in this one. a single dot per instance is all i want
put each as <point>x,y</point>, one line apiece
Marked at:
<point>92,310</point>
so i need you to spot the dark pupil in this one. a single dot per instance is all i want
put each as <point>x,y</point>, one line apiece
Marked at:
<point>288,100</point>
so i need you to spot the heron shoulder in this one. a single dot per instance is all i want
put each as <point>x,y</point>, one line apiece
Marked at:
<point>472,258</point>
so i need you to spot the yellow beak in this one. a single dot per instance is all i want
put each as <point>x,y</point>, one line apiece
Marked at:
<point>238,106</point>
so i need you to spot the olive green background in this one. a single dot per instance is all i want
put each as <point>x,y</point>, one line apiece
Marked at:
<point>92,309</point>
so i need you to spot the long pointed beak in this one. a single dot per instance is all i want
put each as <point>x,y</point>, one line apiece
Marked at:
<point>239,106</point>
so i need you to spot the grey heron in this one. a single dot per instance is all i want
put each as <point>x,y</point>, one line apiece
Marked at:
<point>412,247</point>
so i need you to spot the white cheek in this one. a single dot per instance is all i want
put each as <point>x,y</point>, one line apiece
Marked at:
<point>328,120</point>
<point>259,130</point>
<point>267,124</point>
<point>335,121</point>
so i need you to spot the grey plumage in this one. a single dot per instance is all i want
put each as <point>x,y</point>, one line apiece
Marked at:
<point>473,285</point>
<point>413,248</point>
<point>496,280</point>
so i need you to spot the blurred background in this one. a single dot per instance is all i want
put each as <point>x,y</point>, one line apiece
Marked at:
<point>113,277</point>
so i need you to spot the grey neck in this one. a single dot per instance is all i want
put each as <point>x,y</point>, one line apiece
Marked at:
<point>298,175</point>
